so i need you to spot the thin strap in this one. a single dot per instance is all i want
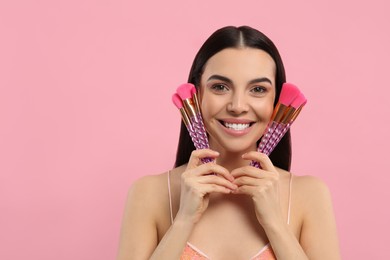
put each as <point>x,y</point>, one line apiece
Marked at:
<point>170,197</point>
<point>197,250</point>
<point>289,200</point>
<point>261,251</point>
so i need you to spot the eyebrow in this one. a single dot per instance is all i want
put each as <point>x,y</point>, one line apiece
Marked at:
<point>223,78</point>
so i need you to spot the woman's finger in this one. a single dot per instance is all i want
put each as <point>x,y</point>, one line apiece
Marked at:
<point>245,189</point>
<point>249,181</point>
<point>249,171</point>
<point>212,168</point>
<point>214,188</point>
<point>263,159</point>
<point>218,180</point>
<point>197,155</point>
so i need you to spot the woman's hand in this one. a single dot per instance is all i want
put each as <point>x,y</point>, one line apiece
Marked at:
<point>198,181</point>
<point>262,185</point>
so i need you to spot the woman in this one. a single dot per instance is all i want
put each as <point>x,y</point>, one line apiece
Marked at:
<point>239,212</point>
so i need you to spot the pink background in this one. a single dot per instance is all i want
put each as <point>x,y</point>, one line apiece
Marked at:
<point>85,88</point>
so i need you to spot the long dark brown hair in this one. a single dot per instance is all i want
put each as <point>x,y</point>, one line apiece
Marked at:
<point>236,37</point>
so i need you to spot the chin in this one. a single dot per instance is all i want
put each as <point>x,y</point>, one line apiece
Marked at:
<point>237,146</point>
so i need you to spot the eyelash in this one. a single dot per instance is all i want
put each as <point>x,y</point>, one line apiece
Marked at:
<point>216,88</point>
<point>260,89</point>
<point>219,88</point>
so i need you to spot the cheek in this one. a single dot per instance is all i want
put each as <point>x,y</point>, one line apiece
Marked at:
<point>265,109</point>
<point>204,106</point>
<point>210,105</point>
<point>269,109</point>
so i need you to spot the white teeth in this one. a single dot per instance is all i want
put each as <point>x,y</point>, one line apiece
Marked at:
<point>237,127</point>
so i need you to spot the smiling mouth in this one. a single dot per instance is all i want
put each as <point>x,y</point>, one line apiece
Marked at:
<point>235,126</point>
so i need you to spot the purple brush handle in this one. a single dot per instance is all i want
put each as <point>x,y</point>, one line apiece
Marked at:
<point>199,136</point>
<point>197,122</point>
<point>276,136</point>
<point>283,130</point>
<point>194,137</point>
<point>268,133</point>
<point>197,144</point>
<point>203,134</point>
<point>264,140</point>
<point>273,141</point>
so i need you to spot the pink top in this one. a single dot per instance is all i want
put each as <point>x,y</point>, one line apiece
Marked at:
<point>190,252</point>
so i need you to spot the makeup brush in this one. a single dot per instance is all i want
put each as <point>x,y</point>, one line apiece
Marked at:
<point>190,107</point>
<point>288,93</point>
<point>197,108</point>
<point>288,119</point>
<point>179,104</point>
<point>283,127</point>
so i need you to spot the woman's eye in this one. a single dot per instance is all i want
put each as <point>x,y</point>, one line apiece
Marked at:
<point>219,87</point>
<point>259,89</point>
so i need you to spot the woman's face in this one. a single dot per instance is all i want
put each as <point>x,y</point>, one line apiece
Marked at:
<point>237,93</point>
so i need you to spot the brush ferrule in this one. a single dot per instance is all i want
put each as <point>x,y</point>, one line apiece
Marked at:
<point>196,102</point>
<point>189,107</point>
<point>289,114</point>
<point>279,111</point>
<point>185,117</point>
<point>296,113</point>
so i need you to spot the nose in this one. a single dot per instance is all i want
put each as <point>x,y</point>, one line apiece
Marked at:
<point>238,104</point>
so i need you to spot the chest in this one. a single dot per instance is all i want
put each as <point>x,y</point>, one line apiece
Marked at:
<point>229,229</point>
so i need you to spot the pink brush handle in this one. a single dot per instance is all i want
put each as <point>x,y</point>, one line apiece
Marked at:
<point>267,135</point>
<point>193,136</point>
<point>197,122</point>
<point>199,136</point>
<point>274,139</point>
<point>197,143</point>
<point>283,131</point>
<point>264,140</point>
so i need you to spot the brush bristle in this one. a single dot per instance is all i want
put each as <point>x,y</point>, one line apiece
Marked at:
<point>299,101</point>
<point>177,101</point>
<point>185,90</point>
<point>193,91</point>
<point>288,94</point>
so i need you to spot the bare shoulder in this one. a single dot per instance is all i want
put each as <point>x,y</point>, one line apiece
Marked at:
<point>146,214</point>
<point>147,194</point>
<point>310,186</point>
<point>149,197</point>
<point>313,195</point>
<point>318,233</point>
<point>139,219</point>
<point>150,187</point>
<point>147,186</point>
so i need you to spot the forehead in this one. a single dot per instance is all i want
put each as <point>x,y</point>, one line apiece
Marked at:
<point>241,63</point>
